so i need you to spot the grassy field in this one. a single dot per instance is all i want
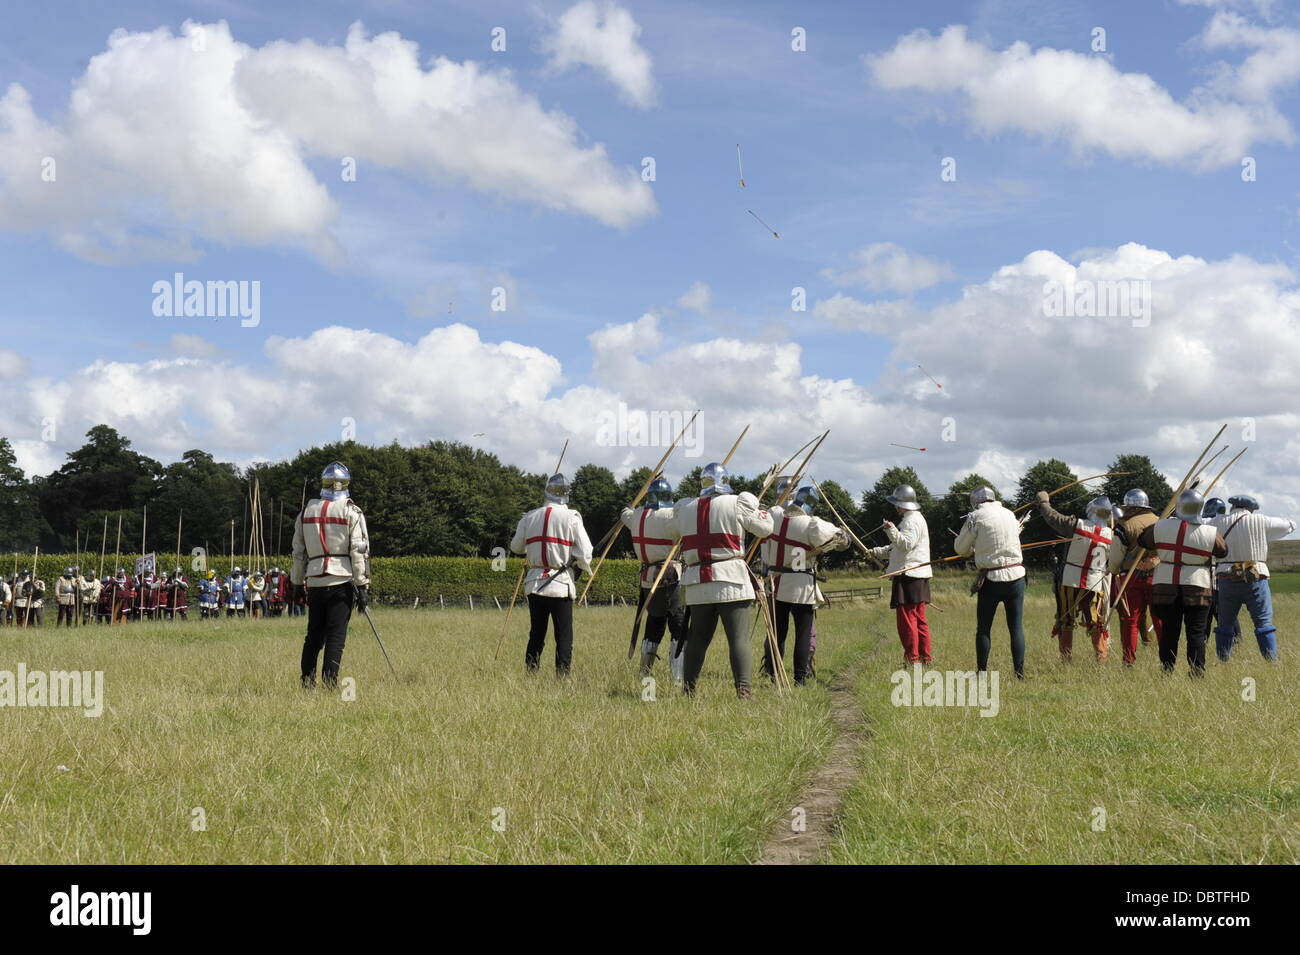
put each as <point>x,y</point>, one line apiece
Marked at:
<point>416,769</point>
<point>1176,770</point>
<point>210,716</point>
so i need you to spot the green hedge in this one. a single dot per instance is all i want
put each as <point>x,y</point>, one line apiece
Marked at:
<point>394,579</point>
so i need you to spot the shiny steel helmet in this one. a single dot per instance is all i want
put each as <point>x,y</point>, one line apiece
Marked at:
<point>67,571</point>
<point>236,572</point>
<point>1244,501</point>
<point>807,498</point>
<point>176,572</point>
<point>714,479</point>
<point>1101,511</point>
<point>1190,505</point>
<point>334,481</point>
<point>1136,497</point>
<point>659,494</point>
<point>904,496</point>
<point>1214,507</point>
<point>982,495</point>
<point>782,483</point>
<point>557,489</point>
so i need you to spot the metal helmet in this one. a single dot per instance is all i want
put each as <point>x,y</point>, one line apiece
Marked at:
<point>67,571</point>
<point>782,484</point>
<point>1214,507</point>
<point>557,489</point>
<point>1136,497</point>
<point>1244,501</point>
<point>807,498</point>
<point>334,481</point>
<point>1101,511</point>
<point>176,572</point>
<point>659,494</point>
<point>982,495</point>
<point>714,480</point>
<point>1190,505</point>
<point>904,496</point>
<point>236,572</point>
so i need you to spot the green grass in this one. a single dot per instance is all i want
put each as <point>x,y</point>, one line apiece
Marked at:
<point>1185,770</point>
<point>209,715</point>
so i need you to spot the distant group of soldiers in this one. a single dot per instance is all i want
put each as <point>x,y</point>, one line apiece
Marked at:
<point>81,596</point>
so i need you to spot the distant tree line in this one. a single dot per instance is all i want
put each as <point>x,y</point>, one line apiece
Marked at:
<point>437,499</point>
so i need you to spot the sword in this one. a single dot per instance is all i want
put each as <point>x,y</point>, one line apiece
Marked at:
<point>556,572</point>
<point>375,631</point>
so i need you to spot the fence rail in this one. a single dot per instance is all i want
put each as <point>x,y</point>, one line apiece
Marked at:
<point>856,593</point>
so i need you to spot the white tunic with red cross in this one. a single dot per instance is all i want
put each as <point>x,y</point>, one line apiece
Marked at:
<point>651,540</point>
<point>1185,551</point>
<point>551,537</point>
<point>330,545</point>
<point>712,531</point>
<point>1090,556</point>
<point>795,536</point>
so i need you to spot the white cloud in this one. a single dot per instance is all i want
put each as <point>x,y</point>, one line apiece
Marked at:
<point>886,267</point>
<point>698,298</point>
<point>603,36</point>
<point>849,314</point>
<point>1222,346</point>
<point>192,346</point>
<point>1273,65</point>
<point>12,365</point>
<point>1084,100</point>
<point>169,140</point>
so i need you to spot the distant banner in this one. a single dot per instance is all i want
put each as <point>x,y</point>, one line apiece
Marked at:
<point>148,564</point>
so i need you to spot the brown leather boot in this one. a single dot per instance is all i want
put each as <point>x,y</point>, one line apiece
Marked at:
<point>744,693</point>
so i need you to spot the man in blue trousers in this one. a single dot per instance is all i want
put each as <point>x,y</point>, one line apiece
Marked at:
<point>1243,574</point>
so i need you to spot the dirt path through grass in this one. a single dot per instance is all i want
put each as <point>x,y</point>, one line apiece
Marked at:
<point>821,798</point>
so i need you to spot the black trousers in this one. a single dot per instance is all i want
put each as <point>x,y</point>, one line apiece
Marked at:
<point>1173,617</point>
<point>666,612</point>
<point>541,611</point>
<point>328,611</point>
<point>804,615</point>
<point>65,614</point>
<point>1011,595</point>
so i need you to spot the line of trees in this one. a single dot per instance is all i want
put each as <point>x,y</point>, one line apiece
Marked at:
<point>437,499</point>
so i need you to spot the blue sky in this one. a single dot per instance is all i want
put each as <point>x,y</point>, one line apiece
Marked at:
<point>836,159</point>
